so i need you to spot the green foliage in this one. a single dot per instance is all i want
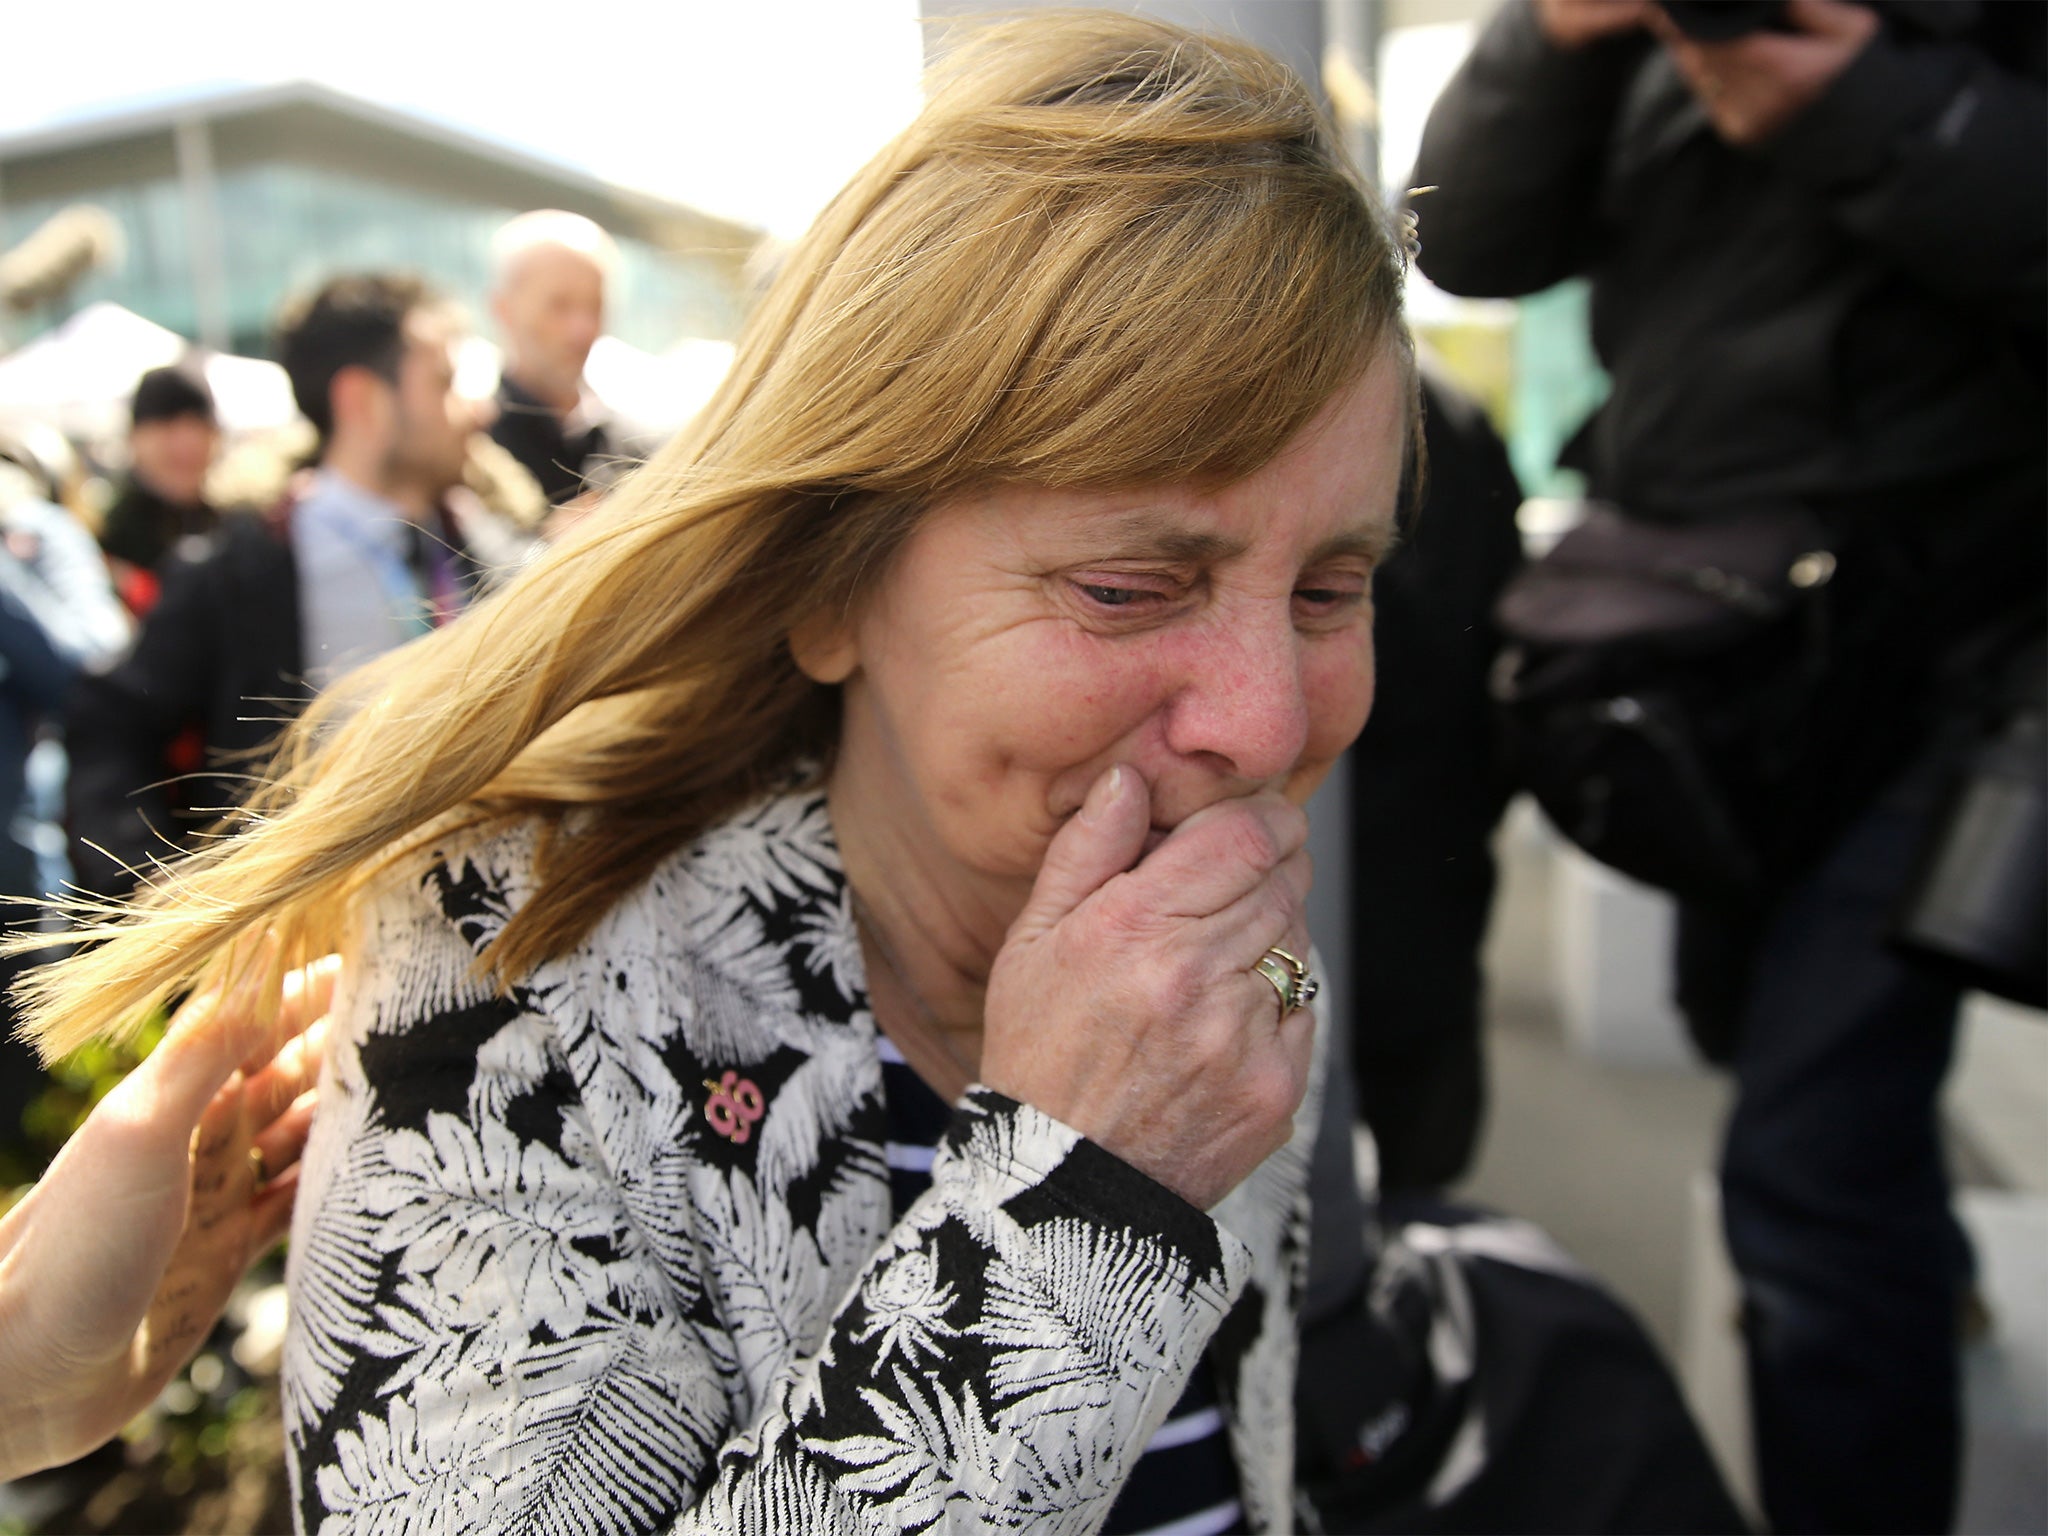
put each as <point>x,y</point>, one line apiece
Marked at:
<point>76,1084</point>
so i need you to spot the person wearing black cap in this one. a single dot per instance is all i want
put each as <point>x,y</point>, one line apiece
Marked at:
<point>170,448</point>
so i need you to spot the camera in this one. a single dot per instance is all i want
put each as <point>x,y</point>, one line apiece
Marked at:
<point>1978,907</point>
<point>1720,21</point>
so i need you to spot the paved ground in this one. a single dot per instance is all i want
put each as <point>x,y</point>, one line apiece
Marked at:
<point>1601,1155</point>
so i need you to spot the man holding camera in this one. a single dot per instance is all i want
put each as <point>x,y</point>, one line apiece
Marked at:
<point>1815,233</point>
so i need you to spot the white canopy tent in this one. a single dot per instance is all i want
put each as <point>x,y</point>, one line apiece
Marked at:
<point>80,377</point>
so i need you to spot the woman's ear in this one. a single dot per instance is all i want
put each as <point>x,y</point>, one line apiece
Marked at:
<point>824,648</point>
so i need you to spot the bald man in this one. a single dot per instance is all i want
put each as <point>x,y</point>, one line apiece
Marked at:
<point>549,274</point>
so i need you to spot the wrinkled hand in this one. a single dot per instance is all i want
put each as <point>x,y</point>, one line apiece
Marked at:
<point>1572,24</point>
<point>115,1267</point>
<point>1123,1000</point>
<point>1752,86</point>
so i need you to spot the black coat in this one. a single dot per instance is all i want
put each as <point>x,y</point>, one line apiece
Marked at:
<point>142,527</point>
<point>532,433</point>
<point>1428,783</point>
<point>1847,319</point>
<point>217,666</point>
<point>1854,308</point>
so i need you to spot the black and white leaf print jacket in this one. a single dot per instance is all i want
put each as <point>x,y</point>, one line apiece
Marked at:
<point>540,1284</point>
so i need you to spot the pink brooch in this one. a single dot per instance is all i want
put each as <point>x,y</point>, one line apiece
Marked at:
<point>735,1104</point>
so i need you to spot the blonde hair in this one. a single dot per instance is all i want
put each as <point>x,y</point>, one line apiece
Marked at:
<point>1109,252</point>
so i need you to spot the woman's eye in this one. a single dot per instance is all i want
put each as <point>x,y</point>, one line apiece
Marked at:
<point>1327,598</point>
<point>1111,597</point>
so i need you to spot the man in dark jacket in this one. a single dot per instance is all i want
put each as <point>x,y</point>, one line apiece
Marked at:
<point>361,558</point>
<point>171,443</point>
<point>547,294</point>
<point>1817,254</point>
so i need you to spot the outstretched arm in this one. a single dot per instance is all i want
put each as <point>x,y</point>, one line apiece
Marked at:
<point>1514,147</point>
<point>116,1266</point>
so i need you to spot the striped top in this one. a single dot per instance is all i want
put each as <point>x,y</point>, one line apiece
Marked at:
<point>1184,1484</point>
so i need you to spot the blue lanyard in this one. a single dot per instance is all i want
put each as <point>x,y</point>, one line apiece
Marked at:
<point>403,596</point>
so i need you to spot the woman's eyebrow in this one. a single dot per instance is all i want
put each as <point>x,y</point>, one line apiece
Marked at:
<point>1372,542</point>
<point>1151,533</point>
<point>1146,534</point>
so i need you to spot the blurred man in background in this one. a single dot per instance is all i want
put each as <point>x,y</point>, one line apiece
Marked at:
<point>361,557</point>
<point>549,271</point>
<point>1815,234</point>
<point>171,445</point>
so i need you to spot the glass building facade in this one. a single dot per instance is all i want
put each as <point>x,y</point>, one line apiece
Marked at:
<point>286,226</point>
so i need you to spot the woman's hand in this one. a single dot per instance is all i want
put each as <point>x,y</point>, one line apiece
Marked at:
<point>115,1267</point>
<point>1124,1002</point>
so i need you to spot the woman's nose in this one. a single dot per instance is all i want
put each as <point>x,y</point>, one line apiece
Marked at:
<point>1242,700</point>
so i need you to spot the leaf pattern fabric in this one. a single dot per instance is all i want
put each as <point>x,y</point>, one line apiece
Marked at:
<point>536,1288</point>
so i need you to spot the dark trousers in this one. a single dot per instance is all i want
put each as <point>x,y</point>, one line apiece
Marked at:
<point>1835,1196</point>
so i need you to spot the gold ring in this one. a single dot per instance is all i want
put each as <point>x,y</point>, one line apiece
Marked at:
<point>257,1167</point>
<point>1290,978</point>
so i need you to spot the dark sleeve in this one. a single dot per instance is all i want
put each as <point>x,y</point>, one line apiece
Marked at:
<point>1935,156</point>
<point>58,613</point>
<point>121,723</point>
<point>1514,150</point>
<point>37,675</point>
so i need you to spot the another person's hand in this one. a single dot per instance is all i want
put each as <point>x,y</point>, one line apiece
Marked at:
<point>1124,1002</point>
<point>115,1267</point>
<point>1753,85</point>
<point>1572,24</point>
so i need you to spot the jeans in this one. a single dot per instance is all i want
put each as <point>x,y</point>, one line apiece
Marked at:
<point>1835,1196</point>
